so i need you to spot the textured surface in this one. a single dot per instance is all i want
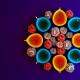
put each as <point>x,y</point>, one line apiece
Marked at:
<point>16,15</point>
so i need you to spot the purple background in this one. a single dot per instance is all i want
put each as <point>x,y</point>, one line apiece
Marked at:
<point>15,15</point>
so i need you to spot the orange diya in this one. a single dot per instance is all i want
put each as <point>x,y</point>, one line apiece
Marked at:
<point>59,62</point>
<point>76,40</point>
<point>59,17</point>
<point>34,40</point>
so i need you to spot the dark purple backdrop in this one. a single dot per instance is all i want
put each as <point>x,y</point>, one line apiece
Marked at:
<point>17,14</point>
